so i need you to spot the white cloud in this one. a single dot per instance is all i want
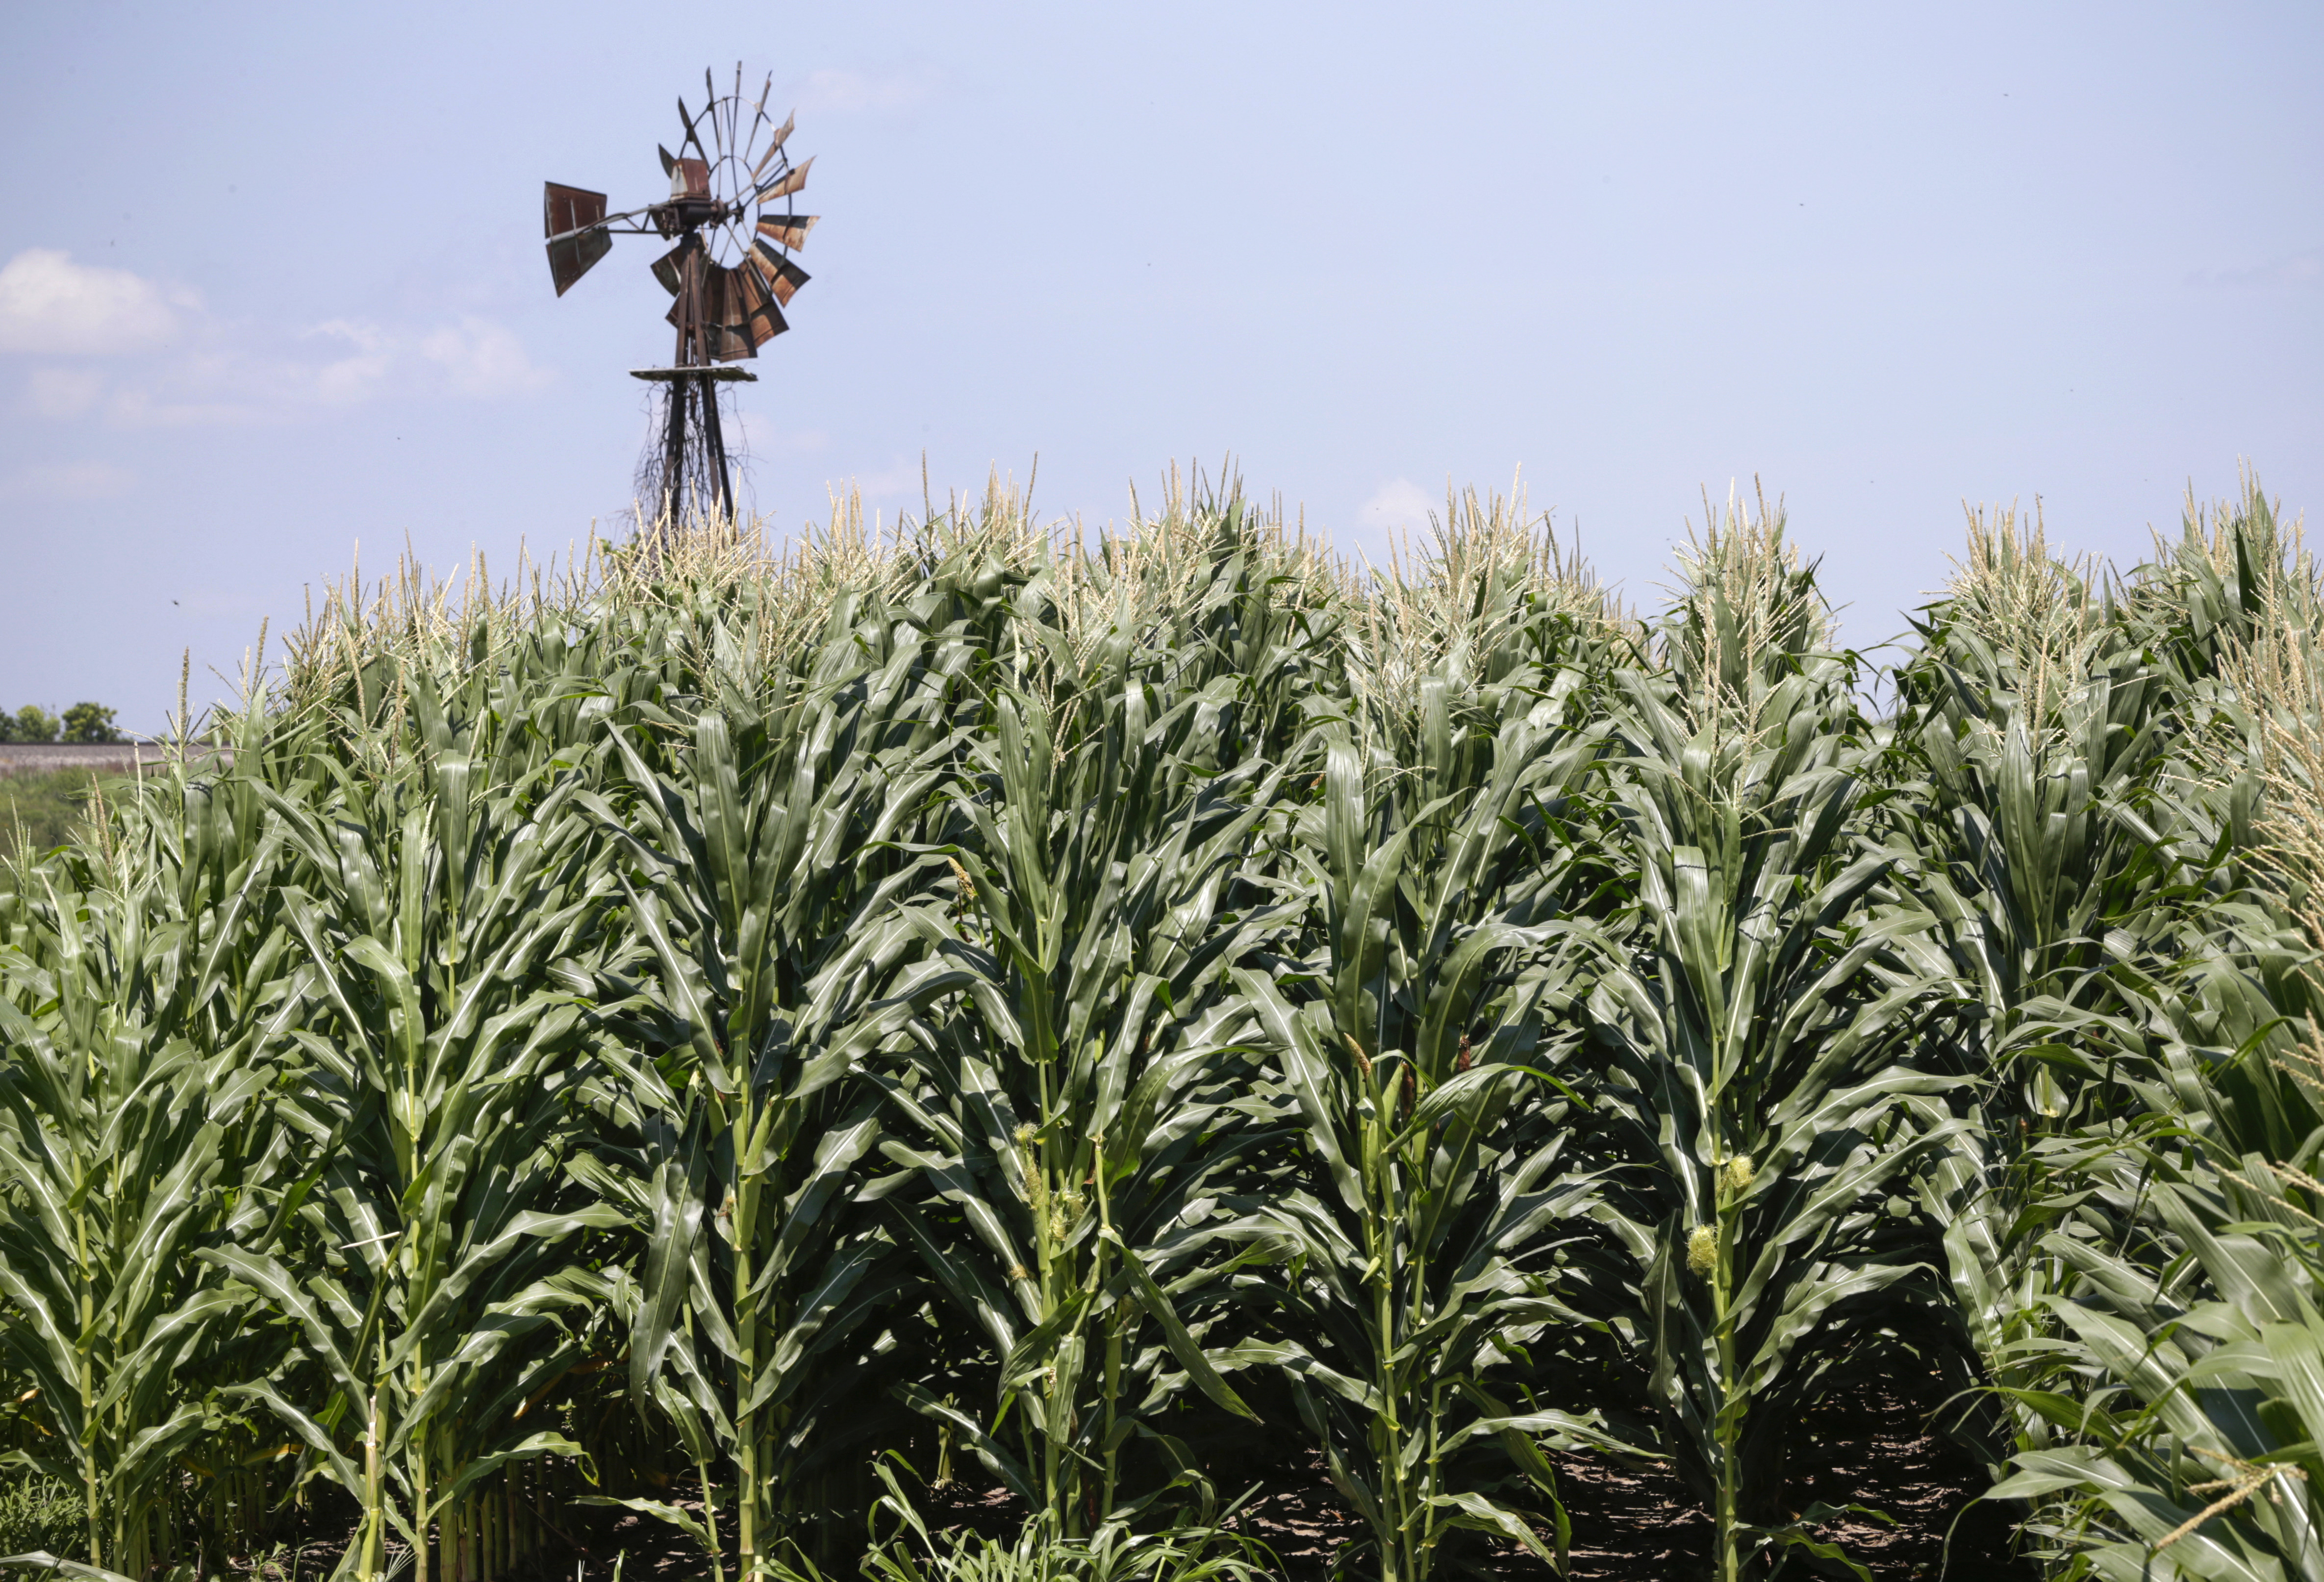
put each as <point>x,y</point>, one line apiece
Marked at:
<point>63,392</point>
<point>2299,269</point>
<point>482,358</point>
<point>146,408</point>
<point>473,357</point>
<point>51,307</point>
<point>218,371</point>
<point>837,92</point>
<point>74,481</point>
<point>1398,504</point>
<point>342,363</point>
<point>345,380</point>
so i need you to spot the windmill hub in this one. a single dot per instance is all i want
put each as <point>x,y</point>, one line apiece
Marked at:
<point>731,213</point>
<point>687,214</point>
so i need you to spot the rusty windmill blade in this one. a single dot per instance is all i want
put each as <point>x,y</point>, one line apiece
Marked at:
<point>731,341</point>
<point>723,310</point>
<point>768,324</point>
<point>783,277</point>
<point>709,294</point>
<point>783,136</point>
<point>788,231</point>
<point>749,297</point>
<point>790,181</point>
<point>762,321</point>
<point>669,268</point>
<point>685,308</point>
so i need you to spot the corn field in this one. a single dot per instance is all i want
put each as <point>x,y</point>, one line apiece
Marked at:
<point>749,1037</point>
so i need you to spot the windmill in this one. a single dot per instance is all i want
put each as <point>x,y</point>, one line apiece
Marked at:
<point>733,215</point>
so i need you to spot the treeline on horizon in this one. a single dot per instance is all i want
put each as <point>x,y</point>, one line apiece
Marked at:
<point>86,723</point>
<point>738,1034</point>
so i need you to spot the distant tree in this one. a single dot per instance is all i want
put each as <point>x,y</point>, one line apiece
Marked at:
<point>7,726</point>
<point>34,723</point>
<point>90,722</point>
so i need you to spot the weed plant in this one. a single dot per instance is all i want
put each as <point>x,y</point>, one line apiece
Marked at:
<point>40,811</point>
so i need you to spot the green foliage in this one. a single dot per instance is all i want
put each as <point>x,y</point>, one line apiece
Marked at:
<point>128,1101</point>
<point>904,1550</point>
<point>89,723</point>
<point>1438,1188</point>
<point>720,1025</point>
<point>40,811</point>
<point>32,723</point>
<point>1761,1032</point>
<point>2127,854</point>
<point>39,1512</point>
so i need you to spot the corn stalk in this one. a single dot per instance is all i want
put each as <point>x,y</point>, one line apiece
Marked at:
<point>1436,1186</point>
<point>1759,1032</point>
<point>140,1034</point>
<point>451,920</point>
<point>779,946</point>
<point>1069,1118</point>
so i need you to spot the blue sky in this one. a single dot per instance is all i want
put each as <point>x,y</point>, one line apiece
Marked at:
<point>272,284</point>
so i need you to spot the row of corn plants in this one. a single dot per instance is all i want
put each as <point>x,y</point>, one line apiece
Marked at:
<point>730,1035</point>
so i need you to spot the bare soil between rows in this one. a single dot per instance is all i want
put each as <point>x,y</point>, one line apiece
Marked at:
<point>1631,1522</point>
<point>1638,1523</point>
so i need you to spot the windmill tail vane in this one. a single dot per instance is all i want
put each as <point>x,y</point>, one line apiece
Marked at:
<point>733,215</point>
